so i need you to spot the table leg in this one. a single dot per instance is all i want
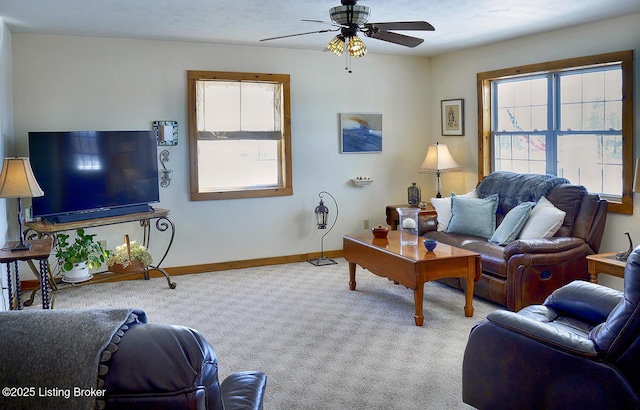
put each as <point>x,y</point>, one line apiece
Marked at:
<point>352,276</point>
<point>44,284</point>
<point>9,286</point>
<point>418,297</point>
<point>18,300</point>
<point>470,279</point>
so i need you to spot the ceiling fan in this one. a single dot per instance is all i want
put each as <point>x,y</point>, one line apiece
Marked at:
<point>351,18</point>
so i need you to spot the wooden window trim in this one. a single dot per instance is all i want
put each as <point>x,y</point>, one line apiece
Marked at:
<point>287,179</point>
<point>484,113</point>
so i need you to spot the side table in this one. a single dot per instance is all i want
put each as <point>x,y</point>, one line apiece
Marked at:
<point>393,219</point>
<point>605,263</point>
<point>40,251</point>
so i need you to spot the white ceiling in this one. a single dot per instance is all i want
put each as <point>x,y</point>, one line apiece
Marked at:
<point>459,23</point>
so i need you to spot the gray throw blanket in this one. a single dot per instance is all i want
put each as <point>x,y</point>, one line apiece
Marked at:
<point>54,359</point>
<point>513,188</point>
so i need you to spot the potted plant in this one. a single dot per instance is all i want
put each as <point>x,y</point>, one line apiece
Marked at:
<point>129,257</point>
<point>77,257</point>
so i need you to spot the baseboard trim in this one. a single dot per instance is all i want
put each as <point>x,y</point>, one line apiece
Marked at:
<point>211,267</point>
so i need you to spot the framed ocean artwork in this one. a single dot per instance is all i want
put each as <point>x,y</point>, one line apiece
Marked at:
<point>360,133</point>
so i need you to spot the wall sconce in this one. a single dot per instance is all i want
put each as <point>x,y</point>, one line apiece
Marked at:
<point>166,174</point>
<point>322,215</point>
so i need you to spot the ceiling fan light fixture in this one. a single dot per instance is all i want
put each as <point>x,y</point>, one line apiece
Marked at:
<point>336,46</point>
<point>348,15</point>
<point>356,47</point>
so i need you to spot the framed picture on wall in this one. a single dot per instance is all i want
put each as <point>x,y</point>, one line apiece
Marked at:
<point>360,133</point>
<point>452,112</point>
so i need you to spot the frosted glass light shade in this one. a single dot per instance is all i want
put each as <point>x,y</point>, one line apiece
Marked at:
<point>336,46</point>
<point>347,15</point>
<point>356,47</point>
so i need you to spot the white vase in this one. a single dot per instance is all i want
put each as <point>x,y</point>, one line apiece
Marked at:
<point>79,273</point>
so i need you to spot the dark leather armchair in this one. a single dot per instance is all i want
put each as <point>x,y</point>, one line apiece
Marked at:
<point>579,349</point>
<point>161,366</point>
<point>112,358</point>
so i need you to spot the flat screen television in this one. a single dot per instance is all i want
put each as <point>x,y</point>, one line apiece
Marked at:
<point>93,174</point>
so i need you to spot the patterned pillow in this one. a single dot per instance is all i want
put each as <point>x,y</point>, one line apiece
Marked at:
<point>473,216</point>
<point>443,208</point>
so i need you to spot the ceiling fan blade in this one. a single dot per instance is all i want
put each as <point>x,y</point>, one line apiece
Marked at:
<point>323,22</point>
<point>395,38</point>
<point>299,34</point>
<point>402,25</point>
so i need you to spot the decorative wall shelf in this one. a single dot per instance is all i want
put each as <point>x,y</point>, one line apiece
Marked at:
<point>361,181</point>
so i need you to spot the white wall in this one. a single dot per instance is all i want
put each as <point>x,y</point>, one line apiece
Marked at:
<point>71,83</point>
<point>6,142</point>
<point>76,83</point>
<point>456,77</point>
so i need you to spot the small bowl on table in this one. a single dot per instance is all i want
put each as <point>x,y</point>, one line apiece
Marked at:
<point>430,244</point>
<point>380,232</point>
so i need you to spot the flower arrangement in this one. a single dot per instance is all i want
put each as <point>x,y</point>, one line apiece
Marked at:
<point>129,254</point>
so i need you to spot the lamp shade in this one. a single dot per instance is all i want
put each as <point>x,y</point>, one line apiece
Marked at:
<point>636,177</point>
<point>356,47</point>
<point>336,46</point>
<point>17,179</point>
<point>438,159</point>
<point>350,14</point>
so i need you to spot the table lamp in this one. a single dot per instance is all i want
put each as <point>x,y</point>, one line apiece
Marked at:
<point>17,181</point>
<point>438,160</point>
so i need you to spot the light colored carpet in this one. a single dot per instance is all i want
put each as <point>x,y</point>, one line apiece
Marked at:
<point>321,345</point>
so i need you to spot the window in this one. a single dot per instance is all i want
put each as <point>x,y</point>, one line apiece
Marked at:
<point>572,118</point>
<point>239,135</point>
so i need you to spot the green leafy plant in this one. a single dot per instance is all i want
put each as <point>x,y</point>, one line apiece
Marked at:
<point>84,248</point>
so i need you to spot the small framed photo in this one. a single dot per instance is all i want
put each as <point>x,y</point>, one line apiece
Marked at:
<point>452,112</point>
<point>166,132</point>
<point>360,133</point>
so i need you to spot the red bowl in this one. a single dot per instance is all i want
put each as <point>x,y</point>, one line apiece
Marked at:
<point>380,231</point>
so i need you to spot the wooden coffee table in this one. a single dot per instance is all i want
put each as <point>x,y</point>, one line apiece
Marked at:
<point>411,266</point>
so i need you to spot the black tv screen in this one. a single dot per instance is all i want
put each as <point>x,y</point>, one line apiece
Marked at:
<point>90,174</point>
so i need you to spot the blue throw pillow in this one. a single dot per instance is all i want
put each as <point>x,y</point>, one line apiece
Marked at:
<point>512,224</point>
<point>473,216</point>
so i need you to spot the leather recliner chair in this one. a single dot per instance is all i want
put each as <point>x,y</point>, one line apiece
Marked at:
<point>159,366</point>
<point>579,349</point>
<point>112,358</point>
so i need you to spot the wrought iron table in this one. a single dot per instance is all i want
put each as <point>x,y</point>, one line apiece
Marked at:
<point>42,229</point>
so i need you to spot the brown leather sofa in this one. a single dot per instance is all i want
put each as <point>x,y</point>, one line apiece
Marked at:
<point>526,271</point>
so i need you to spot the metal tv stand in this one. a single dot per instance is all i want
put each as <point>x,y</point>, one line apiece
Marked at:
<point>42,229</point>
